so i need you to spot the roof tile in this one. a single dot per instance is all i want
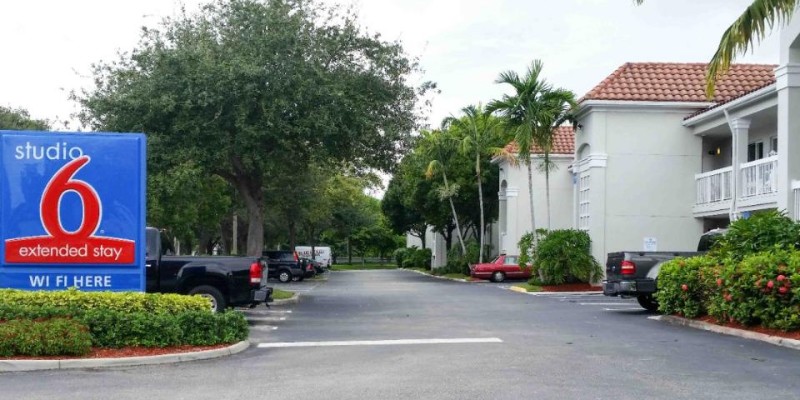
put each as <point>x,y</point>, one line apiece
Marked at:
<point>563,142</point>
<point>679,82</point>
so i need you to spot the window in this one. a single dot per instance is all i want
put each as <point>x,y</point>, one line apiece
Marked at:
<point>583,202</point>
<point>755,151</point>
<point>773,145</point>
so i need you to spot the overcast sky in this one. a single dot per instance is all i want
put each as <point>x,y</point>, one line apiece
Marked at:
<point>47,46</point>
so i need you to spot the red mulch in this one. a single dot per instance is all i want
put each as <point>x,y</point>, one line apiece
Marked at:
<point>767,331</point>
<point>124,352</point>
<point>572,287</point>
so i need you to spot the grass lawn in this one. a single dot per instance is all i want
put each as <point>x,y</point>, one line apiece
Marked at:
<point>529,287</point>
<point>353,267</point>
<point>278,294</point>
<point>456,276</point>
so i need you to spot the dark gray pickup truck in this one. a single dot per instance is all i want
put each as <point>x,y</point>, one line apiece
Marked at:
<point>635,273</point>
<point>225,281</point>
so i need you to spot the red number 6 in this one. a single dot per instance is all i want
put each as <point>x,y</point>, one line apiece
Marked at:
<point>60,184</point>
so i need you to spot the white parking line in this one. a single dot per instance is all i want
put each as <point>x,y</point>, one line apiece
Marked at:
<point>378,342</point>
<point>263,328</point>
<point>602,304</point>
<point>624,309</point>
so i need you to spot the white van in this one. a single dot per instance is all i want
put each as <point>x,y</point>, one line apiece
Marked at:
<point>321,254</point>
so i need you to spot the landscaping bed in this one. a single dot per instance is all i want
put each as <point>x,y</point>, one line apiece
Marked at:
<point>758,329</point>
<point>571,287</point>
<point>131,351</point>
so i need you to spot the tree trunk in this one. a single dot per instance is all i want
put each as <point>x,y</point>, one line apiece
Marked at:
<point>530,197</point>
<point>480,200</point>
<point>455,216</point>
<point>547,185</point>
<point>350,251</point>
<point>253,200</point>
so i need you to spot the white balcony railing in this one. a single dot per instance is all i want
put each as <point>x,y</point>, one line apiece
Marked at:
<point>714,186</point>
<point>760,177</point>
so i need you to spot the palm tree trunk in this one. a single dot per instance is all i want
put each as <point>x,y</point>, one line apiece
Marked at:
<point>530,197</point>
<point>547,185</point>
<point>455,216</point>
<point>480,200</point>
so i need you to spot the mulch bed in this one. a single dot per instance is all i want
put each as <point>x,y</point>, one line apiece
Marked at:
<point>767,331</point>
<point>124,352</point>
<point>572,287</point>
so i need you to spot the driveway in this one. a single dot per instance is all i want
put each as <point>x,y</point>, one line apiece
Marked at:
<point>399,335</point>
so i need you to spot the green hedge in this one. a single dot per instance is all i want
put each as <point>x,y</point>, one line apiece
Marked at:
<point>563,255</point>
<point>117,301</point>
<point>117,319</point>
<point>761,289</point>
<point>53,337</point>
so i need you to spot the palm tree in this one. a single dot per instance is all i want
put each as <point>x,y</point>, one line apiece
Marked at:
<point>479,135</point>
<point>752,26</point>
<point>532,114</point>
<point>440,147</point>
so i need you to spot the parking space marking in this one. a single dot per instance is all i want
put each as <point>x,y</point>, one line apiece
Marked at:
<point>263,328</point>
<point>378,342</point>
<point>624,309</point>
<point>602,304</point>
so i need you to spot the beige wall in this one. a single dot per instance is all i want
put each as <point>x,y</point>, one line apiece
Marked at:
<point>642,163</point>
<point>515,206</point>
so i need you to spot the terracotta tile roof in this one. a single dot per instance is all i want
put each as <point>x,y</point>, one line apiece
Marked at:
<point>678,82</point>
<point>563,142</point>
<point>704,110</point>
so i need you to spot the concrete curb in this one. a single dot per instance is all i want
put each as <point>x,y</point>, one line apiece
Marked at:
<point>440,277</point>
<point>292,300</point>
<point>706,326</point>
<point>39,365</point>
<point>546,294</point>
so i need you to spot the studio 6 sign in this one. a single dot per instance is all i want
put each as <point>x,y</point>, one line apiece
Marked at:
<point>73,211</point>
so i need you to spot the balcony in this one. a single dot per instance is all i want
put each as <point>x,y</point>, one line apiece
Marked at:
<point>758,187</point>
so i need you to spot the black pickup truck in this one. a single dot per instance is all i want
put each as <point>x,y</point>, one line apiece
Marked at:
<point>635,273</point>
<point>225,281</point>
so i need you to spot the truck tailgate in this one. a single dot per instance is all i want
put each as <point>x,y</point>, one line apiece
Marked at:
<point>613,265</point>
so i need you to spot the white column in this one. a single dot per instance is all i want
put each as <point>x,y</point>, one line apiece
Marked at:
<point>740,133</point>
<point>788,86</point>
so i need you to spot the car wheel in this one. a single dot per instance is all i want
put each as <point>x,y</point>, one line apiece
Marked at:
<point>498,276</point>
<point>214,296</point>
<point>648,302</point>
<point>284,276</point>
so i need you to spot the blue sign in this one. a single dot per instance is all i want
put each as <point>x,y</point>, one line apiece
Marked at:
<point>72,211</point>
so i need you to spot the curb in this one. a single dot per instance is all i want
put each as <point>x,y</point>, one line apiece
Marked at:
<point>775,340</point>
<point>40,365</point>
<point>292,300</point>
<point>438,277</point>
<point>546,294</point>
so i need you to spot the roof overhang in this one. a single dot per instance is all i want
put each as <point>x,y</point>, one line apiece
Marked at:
<point>588,106</point>
<point>741,107</point>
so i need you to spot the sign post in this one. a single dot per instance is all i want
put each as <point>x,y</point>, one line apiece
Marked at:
<point>72,211</point>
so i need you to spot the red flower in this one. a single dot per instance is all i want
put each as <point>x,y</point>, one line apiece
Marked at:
<point>728,297</point>
<point>684,287</point>
<point>770,284</point>
<point>781,278</point>
<point>783,290</point>
<point>719,282</point>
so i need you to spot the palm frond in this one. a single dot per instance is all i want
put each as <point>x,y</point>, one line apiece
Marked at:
<point>752,26</point>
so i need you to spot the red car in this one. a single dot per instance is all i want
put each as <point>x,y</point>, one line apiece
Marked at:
<point>502,267</point>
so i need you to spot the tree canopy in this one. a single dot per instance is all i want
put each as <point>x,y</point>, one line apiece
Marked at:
<point>20,119</point>
<point>253,90</point>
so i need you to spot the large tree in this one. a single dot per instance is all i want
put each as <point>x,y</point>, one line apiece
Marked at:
<point>479,135</point>
<point>20,119</point>
<point>752,26</point>
<point>252,90</point>
<point>532,113</point>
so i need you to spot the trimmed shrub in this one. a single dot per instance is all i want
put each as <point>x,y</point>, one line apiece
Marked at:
<point>684,285</point>
<point>763,289</point>
<point>417,258</point>
<point>564,255</point>
<point>763,231</point>
<point>58,336</point>
<point>118,301</point>
<point>399,256</point>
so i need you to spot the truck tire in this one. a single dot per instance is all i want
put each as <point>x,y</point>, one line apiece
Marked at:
<point>498,276</point>
<point>285,276</point>
<point>648,302</point>
<point>213,295</point>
